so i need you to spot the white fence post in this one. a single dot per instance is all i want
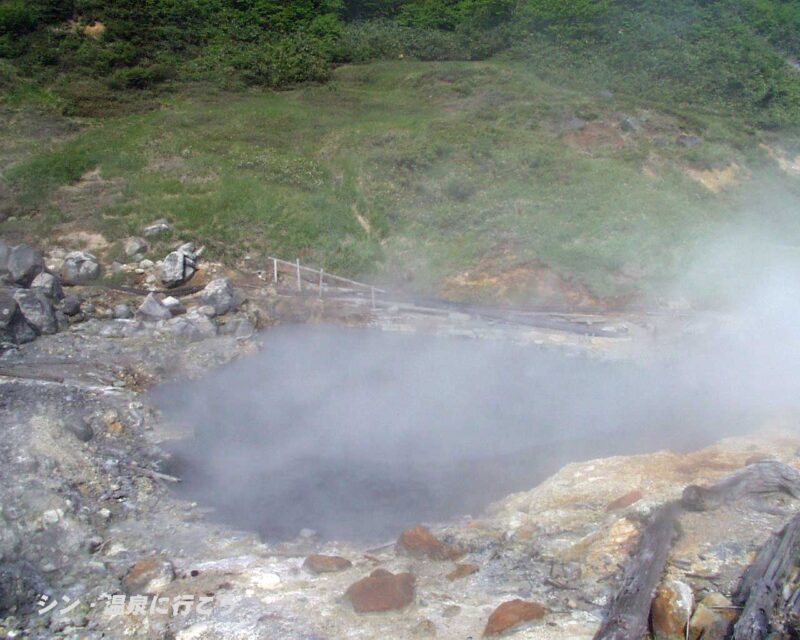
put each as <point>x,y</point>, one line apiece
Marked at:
<point>275,270</point>
<point>321,276</point>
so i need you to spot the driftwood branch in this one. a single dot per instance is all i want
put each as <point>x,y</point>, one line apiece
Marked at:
<point>756,479</point>
<point>630,610</point>
<point>767,608</point>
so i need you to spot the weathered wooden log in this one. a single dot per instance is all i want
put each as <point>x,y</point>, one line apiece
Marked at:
<point>767,609</point>
<point>758,478</point>
<point>630,609</point>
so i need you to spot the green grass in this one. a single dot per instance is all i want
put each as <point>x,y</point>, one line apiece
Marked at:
<point>449,164</point>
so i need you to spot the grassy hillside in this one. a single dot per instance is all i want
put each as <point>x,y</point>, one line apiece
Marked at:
<point>526,150</point>
<point>416,173</point>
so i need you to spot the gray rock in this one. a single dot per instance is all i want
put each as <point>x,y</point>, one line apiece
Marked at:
<point>191,327</point>
<point>48,284</point>
<point>122,312</point>
<point>37,309</point>
<point>79,428</point>
<point>238,328</point>
<point>24,264</point>
<point>629,124</point>
<point>71,305</point>
<point>153,310</point>
<point>20,330</point>
<point>219,294</point>
<point>8,309</point>
<point>135,246</point>
<point>179,266</point>
<point>156,228</point>
<point>5,253</point>
<point>174,305</point>
<point>79,267</point>
<point>117,268</point>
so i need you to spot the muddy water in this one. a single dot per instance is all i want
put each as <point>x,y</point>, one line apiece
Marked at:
<point>357,434</point>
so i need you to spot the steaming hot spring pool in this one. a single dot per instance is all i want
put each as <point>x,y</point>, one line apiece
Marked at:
<point>357,434</point>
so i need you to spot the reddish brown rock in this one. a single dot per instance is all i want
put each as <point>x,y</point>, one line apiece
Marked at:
<point>419,542</point>
<point>672,605</point>
<point>317,563</point>
<point>381,591</point>
<point>512,613</point>
<point>149,575</point>
<point>625,501</point>
<point>713,618</point>
<point>462,571</point>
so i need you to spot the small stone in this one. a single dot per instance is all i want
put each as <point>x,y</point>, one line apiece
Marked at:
<point>79,428</point>
<point>49,285</point>
<point>625,501</point>
<point>71,305</point>
<point>424,629</point>
<point>419,542</point>
<point>153,310</point>
<point>149,575</point>
<point>122,312</point>
<point>317,563</point>
<point>52,516</point>
<point>219,294</point>
<point>117,268</point>
<point>174,305</point>
<point>630,124</point>
<point>670,610</point>
<point>265,580</point>
<point>135,246</point>
<point>710,623</point>
<point>511,614</point>
<point>79,267</point>
<point>156,228</point>
<point>462,571</point>
<point>381,591</point>
<point>146,264</point>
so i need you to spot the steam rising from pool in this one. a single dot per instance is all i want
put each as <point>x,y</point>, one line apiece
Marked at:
<point>358,433</point>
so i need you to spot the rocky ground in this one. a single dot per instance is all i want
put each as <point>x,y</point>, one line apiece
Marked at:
<point>94,544</point>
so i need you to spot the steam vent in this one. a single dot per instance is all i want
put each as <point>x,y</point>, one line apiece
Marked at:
<point>422,319</point>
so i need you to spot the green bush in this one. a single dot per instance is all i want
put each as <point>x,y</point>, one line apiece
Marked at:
<point>17,18</point>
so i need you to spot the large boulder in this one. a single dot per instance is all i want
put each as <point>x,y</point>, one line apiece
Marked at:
<point>37,309</point>
<point>179,266</point>
<point>153,310</point>
<point>8,309</point>
<point>79,267</point>
<point>219,294</point>
<point>49,285</point>
<point>24,263</point>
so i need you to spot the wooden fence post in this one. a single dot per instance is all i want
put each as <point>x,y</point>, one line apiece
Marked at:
<point>299,280</point>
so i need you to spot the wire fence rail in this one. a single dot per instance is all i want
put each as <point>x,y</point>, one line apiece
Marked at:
<point>321,278</point>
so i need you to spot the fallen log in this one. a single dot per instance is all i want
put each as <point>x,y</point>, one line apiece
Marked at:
<point>769,476</point>
<point>629,612</point>
<point>767,608</point>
